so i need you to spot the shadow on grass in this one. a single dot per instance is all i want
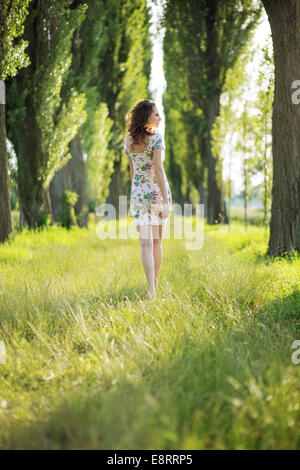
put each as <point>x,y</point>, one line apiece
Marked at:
<point>284,310</point>
<point>271,259</point>
<point>185,400</point>
<point>133,294</point>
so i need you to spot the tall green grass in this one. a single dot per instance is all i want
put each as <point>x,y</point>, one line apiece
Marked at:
<point>207,365</point>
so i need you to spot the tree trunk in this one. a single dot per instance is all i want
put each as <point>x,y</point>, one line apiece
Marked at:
<point>116,188</point>
<point>21,218</point>
<point>29,184</point>
<point>60,183</point>
<point>202,187</point>
<point>214,197</point>
<point>224,216</point>
<point>5,215</point>
<point>246,206</point>
<point>174,174</point>
<point>26,137</point>
<point>78,180</point>
<point>71,177</point>
<point>284,18</point>
<point>265,181</point>
<point>297,244</point>
<point>48,205</point>
<point>203,196</point>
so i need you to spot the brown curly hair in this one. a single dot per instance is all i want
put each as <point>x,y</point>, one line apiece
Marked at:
<point>137,119</point>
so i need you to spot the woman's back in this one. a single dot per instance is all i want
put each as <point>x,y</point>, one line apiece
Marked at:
<point>145,190</point>
<point>142,161</point>
<point>141,147</point>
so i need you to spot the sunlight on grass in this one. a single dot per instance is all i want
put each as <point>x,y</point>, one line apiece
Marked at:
<point>206,365</point>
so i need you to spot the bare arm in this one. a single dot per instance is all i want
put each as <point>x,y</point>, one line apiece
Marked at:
<point>159,173</point>
<point>129,159</point>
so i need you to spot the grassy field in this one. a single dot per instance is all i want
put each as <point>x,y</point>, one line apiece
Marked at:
<point>255,215</point>
<point>207,365</point>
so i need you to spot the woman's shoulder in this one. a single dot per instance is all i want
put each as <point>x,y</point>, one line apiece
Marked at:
<point>154,139</point>
<point>158,141</point>
<point>126,141</point>
<point>157,135</point>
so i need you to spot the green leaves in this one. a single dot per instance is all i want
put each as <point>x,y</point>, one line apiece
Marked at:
<point>203,42</point>
<point>100,157</point>
<point>12,56</point>
<point>55,143</point>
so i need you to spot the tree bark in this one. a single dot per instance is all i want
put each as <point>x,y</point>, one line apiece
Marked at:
<point>202,188</point>
<point>284,18</point>
<point>224,214</point>
<point>48,205</point>
<point>26,137</point>
<point>60,183</point>
<point>78,180</point>
<point>215,208</point>
<point>5,214</point>
<point>71,177</point>
<point>29,184</point>
<point>116,188</point>
<point>21,218</point>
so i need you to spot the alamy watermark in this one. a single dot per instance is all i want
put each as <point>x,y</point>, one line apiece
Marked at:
<point>182,226</point>
<point>296,94</point>
<point>2,352</point>
<point>296,354</point>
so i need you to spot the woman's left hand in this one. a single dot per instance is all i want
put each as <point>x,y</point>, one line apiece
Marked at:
<point>165,210</point>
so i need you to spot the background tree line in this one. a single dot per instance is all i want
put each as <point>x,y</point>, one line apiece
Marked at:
<point>84,63</point>
<point>73,69</point>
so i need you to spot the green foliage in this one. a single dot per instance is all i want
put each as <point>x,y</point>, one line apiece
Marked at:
<point>36,101</point>
<point>202,43</point>
<point>100,157</point>
<point>57,128</point>
<point>67,216</point>
<point>227,123</point>
<point>82,217</point>
<point>112,60</point>
<point>263,123</point>
<point>12,55</point>
<point>245,145</point>
<point>137,65</point>
<point>56,137</point>
<point>135,55</point>
<point>250,128</point>
<point>43,220</point>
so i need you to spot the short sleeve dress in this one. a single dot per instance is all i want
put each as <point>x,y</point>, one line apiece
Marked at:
<point>145,194</point>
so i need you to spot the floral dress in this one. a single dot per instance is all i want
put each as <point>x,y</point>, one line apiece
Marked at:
<point>145,195</point>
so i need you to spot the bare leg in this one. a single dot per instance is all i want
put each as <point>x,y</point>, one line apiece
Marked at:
<point>157,249</point>
<point>146,244</point>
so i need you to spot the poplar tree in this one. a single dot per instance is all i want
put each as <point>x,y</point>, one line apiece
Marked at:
<point>263,125</point>
<point>285,211</point>
<point>226,125</point>
<point>204,38</point>
<point>40,123</point>
<point>12,58</point>
<point>89,40</point>
<point>245,146</point>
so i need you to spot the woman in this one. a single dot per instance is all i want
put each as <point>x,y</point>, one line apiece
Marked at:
<point>150,197</point>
